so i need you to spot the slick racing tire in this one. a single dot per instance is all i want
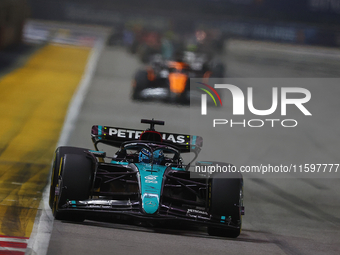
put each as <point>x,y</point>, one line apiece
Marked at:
<point>218,71</point>
<point>226,203</point>
<point>75,184</point>
<point>56,167</point>
<point>184,98</point>
<point>141,82</point>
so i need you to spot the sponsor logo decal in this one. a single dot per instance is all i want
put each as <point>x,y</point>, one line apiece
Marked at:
<point>151,179</point>
<point>196,212</point>
<point>150,203</point>
<point>135,134</point>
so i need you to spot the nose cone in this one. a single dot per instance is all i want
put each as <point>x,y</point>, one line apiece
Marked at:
<point>150,203</point>
<point>151,178</point>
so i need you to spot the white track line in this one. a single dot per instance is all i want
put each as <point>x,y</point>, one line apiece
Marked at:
<point>12,249</point>
<point>13,240</point>
<point>43,224</point>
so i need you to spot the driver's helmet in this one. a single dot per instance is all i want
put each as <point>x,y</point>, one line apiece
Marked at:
<point>144,155</point>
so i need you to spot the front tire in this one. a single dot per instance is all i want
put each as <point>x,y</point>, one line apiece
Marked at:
<point>218,71</point>
<point>74,184</point>
<point>226,203</point>
<point>56,167</point>
<point>140,83</point>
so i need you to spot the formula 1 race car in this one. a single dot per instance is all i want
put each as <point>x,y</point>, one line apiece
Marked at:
<point>169,81</point>
<point>146,179</point>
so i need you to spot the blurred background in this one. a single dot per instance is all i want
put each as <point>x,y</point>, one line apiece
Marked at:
<point>310,22</point>
<point>147,27</point>
<point>169,28</point>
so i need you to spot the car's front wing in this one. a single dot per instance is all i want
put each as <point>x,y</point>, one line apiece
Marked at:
<point>133,209</point>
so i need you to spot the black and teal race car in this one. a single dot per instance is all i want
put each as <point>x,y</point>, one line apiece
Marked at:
<point>145,179</point>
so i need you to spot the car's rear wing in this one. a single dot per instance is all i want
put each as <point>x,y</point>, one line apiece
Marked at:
<point>115,136</point>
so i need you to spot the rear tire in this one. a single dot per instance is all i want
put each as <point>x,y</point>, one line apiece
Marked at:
<point>226,202</point>
<point>75,184</point>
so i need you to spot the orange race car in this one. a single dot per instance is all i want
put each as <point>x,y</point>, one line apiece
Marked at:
<point>169,81</point>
